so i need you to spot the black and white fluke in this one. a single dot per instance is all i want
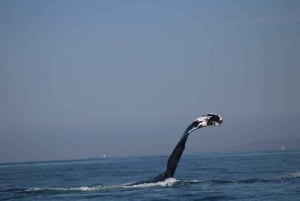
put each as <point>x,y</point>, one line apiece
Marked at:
<point>210,119</point>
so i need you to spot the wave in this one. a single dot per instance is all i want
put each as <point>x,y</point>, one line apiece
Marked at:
<point>253,180</point>
<point>239,181</point>
<point>70,189</point>
<point>290,176</point>
<point>166,183</point>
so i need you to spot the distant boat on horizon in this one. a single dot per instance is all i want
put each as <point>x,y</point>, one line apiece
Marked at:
<point>282,148</point>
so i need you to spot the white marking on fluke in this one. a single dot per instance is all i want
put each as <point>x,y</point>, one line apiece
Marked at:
<point>211,119</point>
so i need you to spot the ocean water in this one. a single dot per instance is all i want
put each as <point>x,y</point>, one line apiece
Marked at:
<point>253,176</point>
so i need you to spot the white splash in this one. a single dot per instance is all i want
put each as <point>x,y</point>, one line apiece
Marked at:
<point>289,176</point>
<point>80,188</point>
<point>167,182</point>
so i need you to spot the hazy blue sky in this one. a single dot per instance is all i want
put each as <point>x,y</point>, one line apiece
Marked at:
<point>85,78</point>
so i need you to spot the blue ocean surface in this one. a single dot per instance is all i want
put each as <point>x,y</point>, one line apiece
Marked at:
<point>253,176</point>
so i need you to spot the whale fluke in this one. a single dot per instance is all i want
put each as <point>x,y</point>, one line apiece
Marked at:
<point>211,119</point>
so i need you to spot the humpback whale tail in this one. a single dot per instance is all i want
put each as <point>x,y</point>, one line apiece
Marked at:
<point>210,119</point>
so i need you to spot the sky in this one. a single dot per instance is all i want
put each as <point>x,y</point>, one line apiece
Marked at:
<point>79,79</point>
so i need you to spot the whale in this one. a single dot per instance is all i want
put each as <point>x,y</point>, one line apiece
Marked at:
<point>210,119</point>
